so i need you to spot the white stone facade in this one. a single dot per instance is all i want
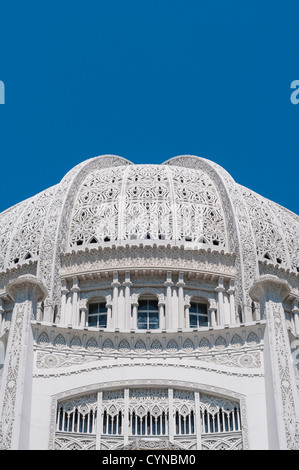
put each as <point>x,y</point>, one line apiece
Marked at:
<point>149,307</point>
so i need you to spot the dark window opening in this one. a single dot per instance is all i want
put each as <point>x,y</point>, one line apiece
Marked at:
<point>198,315</point>
<point>148,315</point>
<point>97,315</point>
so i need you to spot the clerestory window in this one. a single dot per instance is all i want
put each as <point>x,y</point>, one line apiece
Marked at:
<point>198,315</point>
<point>97,315</point>
<point>148,315</point>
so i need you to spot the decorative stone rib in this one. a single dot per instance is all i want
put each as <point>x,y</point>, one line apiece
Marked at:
<point>271,291</point>
<point>15,400</point>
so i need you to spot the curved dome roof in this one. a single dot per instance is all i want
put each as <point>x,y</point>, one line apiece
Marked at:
<point>187,199</point>
<point>139,202</point>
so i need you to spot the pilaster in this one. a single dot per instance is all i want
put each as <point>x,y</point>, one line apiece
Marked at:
<point>115,284</point>
<point>127,285</point>
<point>168,284</point>
<point>231,293</point>
<point>64,292</point>
<point>295,311</point>
<point>281,392</point>
<point>15,393</point>
<point>220,290</point>
<point>75,293</point>
<point>180,286</point>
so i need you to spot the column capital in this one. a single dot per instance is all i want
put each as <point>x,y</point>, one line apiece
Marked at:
<point>220,287</point>
<point>231,289</point>
<point>168,282</point>
<point>181,282</point>
<point>125,284</point>
<point>64,289</point>
<point>295,308</point>
<point>15,290</point>
<point>269,284</point>
<point>75,287</point>
<point>1,306</point>
<point>115,282</point>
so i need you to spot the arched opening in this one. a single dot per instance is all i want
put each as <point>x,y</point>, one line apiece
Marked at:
<point>153,414</point>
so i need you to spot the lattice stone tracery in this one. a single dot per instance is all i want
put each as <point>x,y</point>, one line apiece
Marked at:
<point>267,228</point>
<point>200,204</point>
<point>152,419</point>
<point>148,202</point>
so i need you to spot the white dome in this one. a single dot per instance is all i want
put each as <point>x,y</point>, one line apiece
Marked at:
<point>132,293</point>
<point>181,201</point>
<point>187,201</point>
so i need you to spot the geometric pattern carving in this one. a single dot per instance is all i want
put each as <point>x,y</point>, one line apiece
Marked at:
<point>222,443</point>
<point>147,201</point>
<point>234,353</point>
<point>149,418</point>
<point>269,235</point>
<point>128,201</point>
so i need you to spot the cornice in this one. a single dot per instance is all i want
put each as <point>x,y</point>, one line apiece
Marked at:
<point>144,255</point>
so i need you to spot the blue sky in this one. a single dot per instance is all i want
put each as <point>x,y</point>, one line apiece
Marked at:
<point>149,80</point>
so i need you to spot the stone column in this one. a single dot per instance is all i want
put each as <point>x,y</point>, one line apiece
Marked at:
<point>161,306</point>
<point>281,391</point>
<point>126,417</point>
<point>115,284</point>
<point>187,315</point>
<point>171,415</point>
<point>212,311</point>
<point>1,314</point>
<point>15,396</point>
<point>64,292</point>
<point>220,289</point>
<point>75,310</point>
<point>127,285</point>
<point>109,311</point>
<point>197,420</point>
<point>99,420</point>
<point>134,303</point>
<point>231,292</point>
<point>84,315</point>
<point>168,284</point>
<point>295,312</point>
<point>180,286</point>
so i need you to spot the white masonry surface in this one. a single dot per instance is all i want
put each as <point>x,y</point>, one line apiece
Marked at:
<point>149,307</point>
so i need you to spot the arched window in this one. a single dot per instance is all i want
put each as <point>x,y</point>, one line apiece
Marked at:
<point>198,315</point>
<point>148,314</point>
<point>97,315</point>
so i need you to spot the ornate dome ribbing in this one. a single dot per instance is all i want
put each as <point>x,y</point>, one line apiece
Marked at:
<point>180,201</point>
<point>149,307</point>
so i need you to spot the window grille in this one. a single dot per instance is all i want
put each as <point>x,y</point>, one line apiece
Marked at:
<point>77,416</point>
<point>146,413</point>
<point>219,416</point>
